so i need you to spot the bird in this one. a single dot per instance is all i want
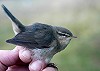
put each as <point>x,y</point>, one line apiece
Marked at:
<point>44,40</point>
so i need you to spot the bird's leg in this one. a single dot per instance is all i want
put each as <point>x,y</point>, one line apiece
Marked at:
<point>52,65</point>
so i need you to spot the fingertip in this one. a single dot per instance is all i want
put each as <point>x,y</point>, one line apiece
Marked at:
<point>25,55</point>
<point>50,69</point>
<point>17,48</point>
<point>36,65</point>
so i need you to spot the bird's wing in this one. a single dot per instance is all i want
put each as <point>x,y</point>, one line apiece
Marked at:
<point>41,37</point>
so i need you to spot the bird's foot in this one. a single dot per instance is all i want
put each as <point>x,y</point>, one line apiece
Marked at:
<point>52,65</point>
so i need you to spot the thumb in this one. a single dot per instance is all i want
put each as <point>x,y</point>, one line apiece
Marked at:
<point>7,58</point>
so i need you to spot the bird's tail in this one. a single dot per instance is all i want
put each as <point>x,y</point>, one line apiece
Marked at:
<point>15,20</point>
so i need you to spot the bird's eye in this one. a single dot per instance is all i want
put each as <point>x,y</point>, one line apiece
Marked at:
<point>63,34</point>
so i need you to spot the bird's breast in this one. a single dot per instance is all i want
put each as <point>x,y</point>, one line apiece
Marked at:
<point>44,54</point>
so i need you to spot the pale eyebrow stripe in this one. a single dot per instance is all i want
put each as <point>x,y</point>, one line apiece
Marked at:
<point>63,33</point>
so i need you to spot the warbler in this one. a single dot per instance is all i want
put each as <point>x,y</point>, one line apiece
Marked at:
<point>44,40</point>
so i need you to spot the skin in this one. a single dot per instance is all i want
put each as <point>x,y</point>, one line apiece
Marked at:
<point>19,59</point>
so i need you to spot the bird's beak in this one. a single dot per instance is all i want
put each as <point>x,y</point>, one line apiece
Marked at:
<point>74,37</point>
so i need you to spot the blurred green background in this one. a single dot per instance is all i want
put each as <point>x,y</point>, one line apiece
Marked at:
<point>82,17</point>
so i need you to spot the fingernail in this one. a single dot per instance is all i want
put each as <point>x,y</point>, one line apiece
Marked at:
<point>50,69</point>
<point>25,56</point>
<point>17,48</point>
<point>37,66</point>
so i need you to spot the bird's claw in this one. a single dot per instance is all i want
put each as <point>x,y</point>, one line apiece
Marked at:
<point>52,65</point>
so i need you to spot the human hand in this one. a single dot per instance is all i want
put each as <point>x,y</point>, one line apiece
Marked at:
<point>19,59</point>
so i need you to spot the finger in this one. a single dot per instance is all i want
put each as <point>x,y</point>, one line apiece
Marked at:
<point>25,55</point>
<point>50,69</point>
<point>7,58</point>
<point>3,67</point>
<point>37,65</point>
<point>18,68</point>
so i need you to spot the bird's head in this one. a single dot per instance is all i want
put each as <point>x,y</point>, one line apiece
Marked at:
<point>64,36</point>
